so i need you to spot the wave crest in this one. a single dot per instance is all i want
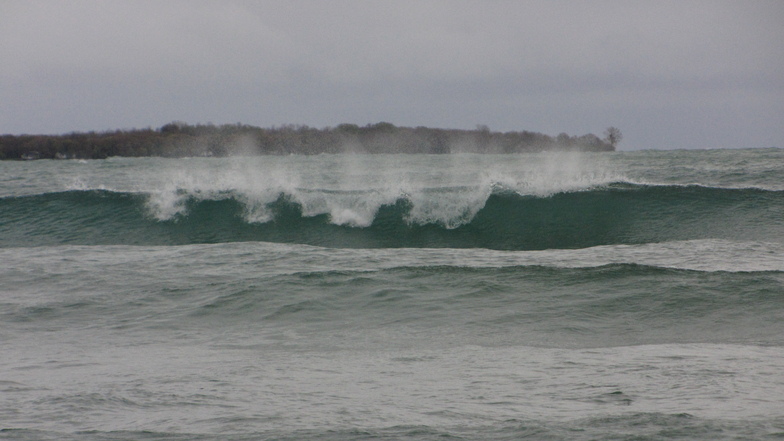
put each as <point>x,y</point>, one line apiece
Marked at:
<point>450,217</point>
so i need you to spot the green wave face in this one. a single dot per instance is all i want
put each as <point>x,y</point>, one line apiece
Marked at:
<point>615,214</point>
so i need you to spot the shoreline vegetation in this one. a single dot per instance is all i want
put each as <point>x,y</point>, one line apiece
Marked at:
<point>178,139</point>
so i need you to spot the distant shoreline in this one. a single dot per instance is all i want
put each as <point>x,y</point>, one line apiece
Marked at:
<point>178,139</point>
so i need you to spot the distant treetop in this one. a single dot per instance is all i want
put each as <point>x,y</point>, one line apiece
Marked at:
<point>179,139</point>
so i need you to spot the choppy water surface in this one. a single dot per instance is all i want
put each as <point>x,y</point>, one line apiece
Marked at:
<point>628,295</point>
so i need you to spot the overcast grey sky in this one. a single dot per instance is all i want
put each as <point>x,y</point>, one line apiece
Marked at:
<point>669,74</point>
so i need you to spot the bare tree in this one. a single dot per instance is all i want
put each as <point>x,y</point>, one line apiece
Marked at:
<point>613,136</point>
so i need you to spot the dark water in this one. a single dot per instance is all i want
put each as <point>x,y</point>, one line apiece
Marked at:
<point>633,295</point>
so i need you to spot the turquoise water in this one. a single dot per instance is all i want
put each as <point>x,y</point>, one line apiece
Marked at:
<point>626,295</point>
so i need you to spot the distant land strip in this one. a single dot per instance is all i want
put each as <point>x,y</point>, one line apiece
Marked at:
<point>179,139</point>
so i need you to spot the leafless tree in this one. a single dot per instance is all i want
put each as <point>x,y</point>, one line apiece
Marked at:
<point>613,136</point>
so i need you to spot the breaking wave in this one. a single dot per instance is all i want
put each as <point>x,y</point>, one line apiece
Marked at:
<point>455,217</point>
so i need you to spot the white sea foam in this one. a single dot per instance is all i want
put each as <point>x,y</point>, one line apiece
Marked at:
<point>709,255</point>
<point>351,189</point>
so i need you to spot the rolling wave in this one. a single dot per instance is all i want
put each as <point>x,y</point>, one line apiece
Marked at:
<point>520,304</point>
<point>453,217</point>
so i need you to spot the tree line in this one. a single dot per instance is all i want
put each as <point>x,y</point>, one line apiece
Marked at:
<point>179,139</point>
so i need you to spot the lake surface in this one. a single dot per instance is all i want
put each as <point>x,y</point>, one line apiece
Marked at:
<point>560,296</point>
